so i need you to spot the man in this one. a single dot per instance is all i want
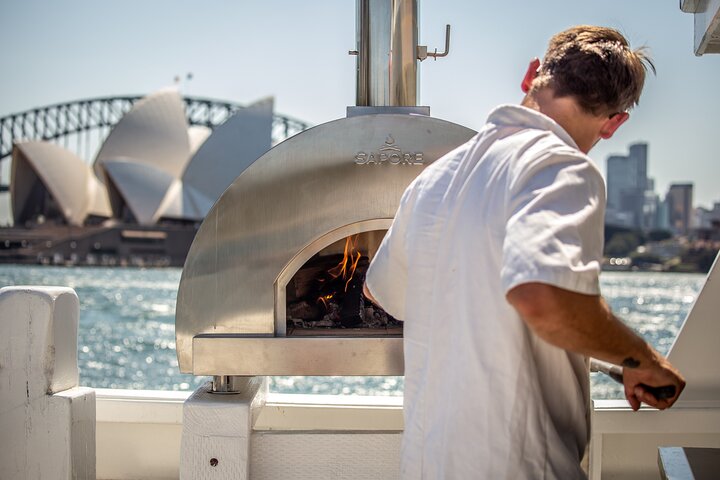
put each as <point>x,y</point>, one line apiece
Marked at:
<point>493,261</point>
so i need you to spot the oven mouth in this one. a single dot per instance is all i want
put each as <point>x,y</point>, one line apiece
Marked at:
<point>319,292</point>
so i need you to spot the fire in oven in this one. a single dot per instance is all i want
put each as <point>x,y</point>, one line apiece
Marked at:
<point>325,296</point>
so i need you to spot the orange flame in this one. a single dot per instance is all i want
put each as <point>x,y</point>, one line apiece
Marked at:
<point>324,299</point>
<point>345,269</point>
<point>351,258</point>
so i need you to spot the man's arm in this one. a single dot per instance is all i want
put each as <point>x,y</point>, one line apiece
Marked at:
<point>584,324</point>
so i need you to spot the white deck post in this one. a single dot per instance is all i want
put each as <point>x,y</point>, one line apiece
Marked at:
<point>217,429</point>
<point>695,352</point>
<point>595,453</point>
<point>47,422</point>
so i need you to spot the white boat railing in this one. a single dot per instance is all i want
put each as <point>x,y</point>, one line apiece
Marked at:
<point>51,425</point>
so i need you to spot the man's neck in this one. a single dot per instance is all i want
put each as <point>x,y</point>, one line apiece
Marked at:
<point>581,126</point>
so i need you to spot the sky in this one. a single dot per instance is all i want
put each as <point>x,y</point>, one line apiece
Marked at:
<point>242,50</point>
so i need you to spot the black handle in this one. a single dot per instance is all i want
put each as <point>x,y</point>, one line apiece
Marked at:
<point>616,373</point>
<point>661,393</point>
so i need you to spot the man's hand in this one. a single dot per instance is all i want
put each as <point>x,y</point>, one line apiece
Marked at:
<point>658,373</point>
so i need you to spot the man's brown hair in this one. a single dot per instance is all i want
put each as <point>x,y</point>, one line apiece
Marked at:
<point>597,67</point>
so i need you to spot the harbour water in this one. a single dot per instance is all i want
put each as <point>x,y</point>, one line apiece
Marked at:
<point>127,326</point>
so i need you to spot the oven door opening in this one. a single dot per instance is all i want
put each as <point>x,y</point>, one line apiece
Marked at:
<point>325,296</point>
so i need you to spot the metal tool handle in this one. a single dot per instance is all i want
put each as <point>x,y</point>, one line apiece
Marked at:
<point>616,373</point>
<point>447,45</point>
<point>422,50</point>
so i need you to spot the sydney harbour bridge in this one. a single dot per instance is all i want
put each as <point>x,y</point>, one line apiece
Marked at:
<point>82,125</point>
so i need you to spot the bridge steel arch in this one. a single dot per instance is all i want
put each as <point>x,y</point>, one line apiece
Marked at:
<point>62,120</point>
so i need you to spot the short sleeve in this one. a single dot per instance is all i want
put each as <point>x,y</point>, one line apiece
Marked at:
<point>386,278</point>
<point>555,222</point>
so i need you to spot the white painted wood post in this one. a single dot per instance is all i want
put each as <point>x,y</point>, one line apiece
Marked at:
<point>695,352</point>
<point>216,431</point>
<point>47,422</point>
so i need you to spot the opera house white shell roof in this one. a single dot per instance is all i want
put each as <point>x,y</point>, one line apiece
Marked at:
<point>153,133</point>
<point>231,148</point>
<point>146,150</point>
<point>70,181</point>
<point>197,134</point>
<point>140,187</point>
<point>151,166</point>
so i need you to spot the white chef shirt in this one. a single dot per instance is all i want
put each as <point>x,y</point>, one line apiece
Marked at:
<point>485,398</point>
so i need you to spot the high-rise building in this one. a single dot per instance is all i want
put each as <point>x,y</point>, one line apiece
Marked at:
<point>651,210</point>
<point>662,220</point>
<point>679,202</point>
<point>707,222</point>
<point>709,218</point>
<point>627,188</point>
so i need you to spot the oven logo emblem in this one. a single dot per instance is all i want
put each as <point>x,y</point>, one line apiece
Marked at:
<point>389,153</point>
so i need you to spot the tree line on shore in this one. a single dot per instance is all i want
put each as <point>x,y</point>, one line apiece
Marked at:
<point>660,250</point>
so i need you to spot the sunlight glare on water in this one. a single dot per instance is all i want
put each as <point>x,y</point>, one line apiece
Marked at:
<point>127,326</point>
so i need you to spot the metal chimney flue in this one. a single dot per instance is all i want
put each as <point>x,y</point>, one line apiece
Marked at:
<point>387,38</point>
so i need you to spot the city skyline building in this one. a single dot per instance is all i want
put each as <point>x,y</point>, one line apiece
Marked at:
<point>679,200</point>
<point>630,203</point>
<point>633,203</point>
<point>707,222</point>
<point>708,218</point>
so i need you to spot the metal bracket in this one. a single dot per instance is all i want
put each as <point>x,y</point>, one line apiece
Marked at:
<point>422,52</point>
<point>226,384</point>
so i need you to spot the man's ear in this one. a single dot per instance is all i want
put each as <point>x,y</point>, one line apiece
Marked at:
<point>530,75</point>
<point>612,124</point>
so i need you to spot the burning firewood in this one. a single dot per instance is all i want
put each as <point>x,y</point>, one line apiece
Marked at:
<point>352,312</point>
<point>326,293</point>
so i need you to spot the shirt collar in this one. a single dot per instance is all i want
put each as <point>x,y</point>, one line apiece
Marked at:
<point>517,115</point>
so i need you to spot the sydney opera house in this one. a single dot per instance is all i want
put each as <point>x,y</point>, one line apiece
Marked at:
<point>141,200</point>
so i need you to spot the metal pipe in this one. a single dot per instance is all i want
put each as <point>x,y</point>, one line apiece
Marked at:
<point>445,52</point>
<point>387,53</point>
<point>226,384</point>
